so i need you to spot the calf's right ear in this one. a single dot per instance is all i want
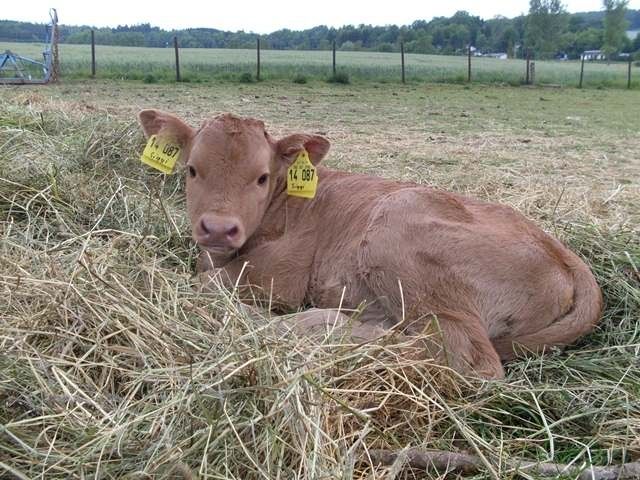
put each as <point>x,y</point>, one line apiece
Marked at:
<point>156,122</point>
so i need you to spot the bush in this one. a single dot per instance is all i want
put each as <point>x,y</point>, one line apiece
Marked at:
<point>299,78</point>
<point>339,77</point>
<point>150,78</point>
<point>245,77</point>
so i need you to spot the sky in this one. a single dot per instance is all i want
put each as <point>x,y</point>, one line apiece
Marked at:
<point>263,16</point>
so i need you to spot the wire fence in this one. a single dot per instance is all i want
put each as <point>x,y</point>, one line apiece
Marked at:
<point>203,65</point>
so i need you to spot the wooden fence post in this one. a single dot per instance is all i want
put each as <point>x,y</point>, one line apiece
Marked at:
<point>402,60</point>
<point>532,75</point>
<point>629,72</point>
<point>581,70</point>
<point>55,60</point>
<point>469,65</point>
<point>93,54</point>
<point>528,62</point>
<point>175,46</point>
<point>258,59</point>
<point>334,58</point>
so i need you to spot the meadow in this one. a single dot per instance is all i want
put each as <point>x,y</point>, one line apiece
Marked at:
<point>116,364</point>
<point>204,65</point>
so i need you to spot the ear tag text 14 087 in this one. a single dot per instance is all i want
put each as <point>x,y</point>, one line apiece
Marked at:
<point>161,154</point>
<point>302,178</point>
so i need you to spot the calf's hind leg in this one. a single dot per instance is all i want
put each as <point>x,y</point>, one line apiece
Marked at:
<point>462,342</point>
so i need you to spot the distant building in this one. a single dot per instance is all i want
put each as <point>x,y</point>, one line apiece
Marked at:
<point>475,51</point>
<point>590,55</point>
<point>499,55</point>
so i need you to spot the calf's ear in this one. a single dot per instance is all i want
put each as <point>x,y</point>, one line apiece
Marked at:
<point>289,147</point>
<point>156,122</point>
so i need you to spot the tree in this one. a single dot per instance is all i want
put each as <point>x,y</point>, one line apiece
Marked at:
<point>546,22</point>
<point>577,23</point>
<point>615,25</point>
<point>589,39</point>
<point>548,30</point>
<point>458,37</point>
<point>509,38</point>
<point>482,44</point>
<point>423,44</point>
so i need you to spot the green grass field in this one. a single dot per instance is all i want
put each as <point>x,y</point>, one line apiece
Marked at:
<point>115,365</point>
<point>201,65</point>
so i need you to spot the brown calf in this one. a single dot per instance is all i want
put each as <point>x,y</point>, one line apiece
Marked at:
<point>485,276</point>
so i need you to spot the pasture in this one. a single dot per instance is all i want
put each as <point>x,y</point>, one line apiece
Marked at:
<point>115,365</point>
<point>206,65</point>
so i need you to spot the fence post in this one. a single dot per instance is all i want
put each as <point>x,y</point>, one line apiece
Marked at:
<point>629,72</point>
<point>469,65</point>
<point>532,75</point>
<point>334,58</point>
<point>55,60</point>
<point>175,46</point>
<point>402,60</point>
<point>581,70</point>
<point>93,54</point>
<point>528,62</point>
<point>258,59</point>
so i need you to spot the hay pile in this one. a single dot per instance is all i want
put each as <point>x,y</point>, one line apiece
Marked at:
<point>114,365</point>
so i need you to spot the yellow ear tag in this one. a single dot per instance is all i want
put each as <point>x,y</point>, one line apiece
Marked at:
<point>302,178</point>
<point>161,154</point>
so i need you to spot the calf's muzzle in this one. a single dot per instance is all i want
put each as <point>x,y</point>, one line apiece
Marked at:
<point>216,231</point>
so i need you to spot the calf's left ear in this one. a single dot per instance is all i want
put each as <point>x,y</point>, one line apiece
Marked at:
<point>156,122</point>
<point>289,147</point>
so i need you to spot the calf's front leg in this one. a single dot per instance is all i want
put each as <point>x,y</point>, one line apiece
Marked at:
<point>276,270</point>
<point>318,323</point>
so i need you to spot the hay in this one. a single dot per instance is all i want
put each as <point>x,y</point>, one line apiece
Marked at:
<point>116,365</point>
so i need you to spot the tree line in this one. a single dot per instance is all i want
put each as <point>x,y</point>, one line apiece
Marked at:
<point>547,31</point>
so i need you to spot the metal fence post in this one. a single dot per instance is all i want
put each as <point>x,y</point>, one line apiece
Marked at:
<point>258,58</point>
<point>175,46</point>
<point>402,60</point>
<point>93,54</point>
<point>334,58</point>
<point>469,64</point>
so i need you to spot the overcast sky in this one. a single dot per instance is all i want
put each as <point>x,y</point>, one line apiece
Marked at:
<point>263,16</point>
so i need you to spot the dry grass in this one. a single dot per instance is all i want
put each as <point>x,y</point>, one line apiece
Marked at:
<point>115,365</point>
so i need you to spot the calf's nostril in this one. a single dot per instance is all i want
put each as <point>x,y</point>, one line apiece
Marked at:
<point>203,226</point>
<point>232,231</point>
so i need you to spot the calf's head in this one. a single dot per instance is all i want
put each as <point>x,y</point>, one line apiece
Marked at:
<point>233,168</point>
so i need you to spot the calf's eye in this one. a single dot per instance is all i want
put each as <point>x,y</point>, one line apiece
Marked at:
<point>192,171</point>
<point>263,179</point>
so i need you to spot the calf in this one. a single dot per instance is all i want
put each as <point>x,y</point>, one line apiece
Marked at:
<point>486,277</point>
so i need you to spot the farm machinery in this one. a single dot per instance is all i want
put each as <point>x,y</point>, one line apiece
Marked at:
<point>16,69</point>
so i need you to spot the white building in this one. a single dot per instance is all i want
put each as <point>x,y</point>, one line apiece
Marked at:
<point>499,55</point>
<point>590,55</point>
